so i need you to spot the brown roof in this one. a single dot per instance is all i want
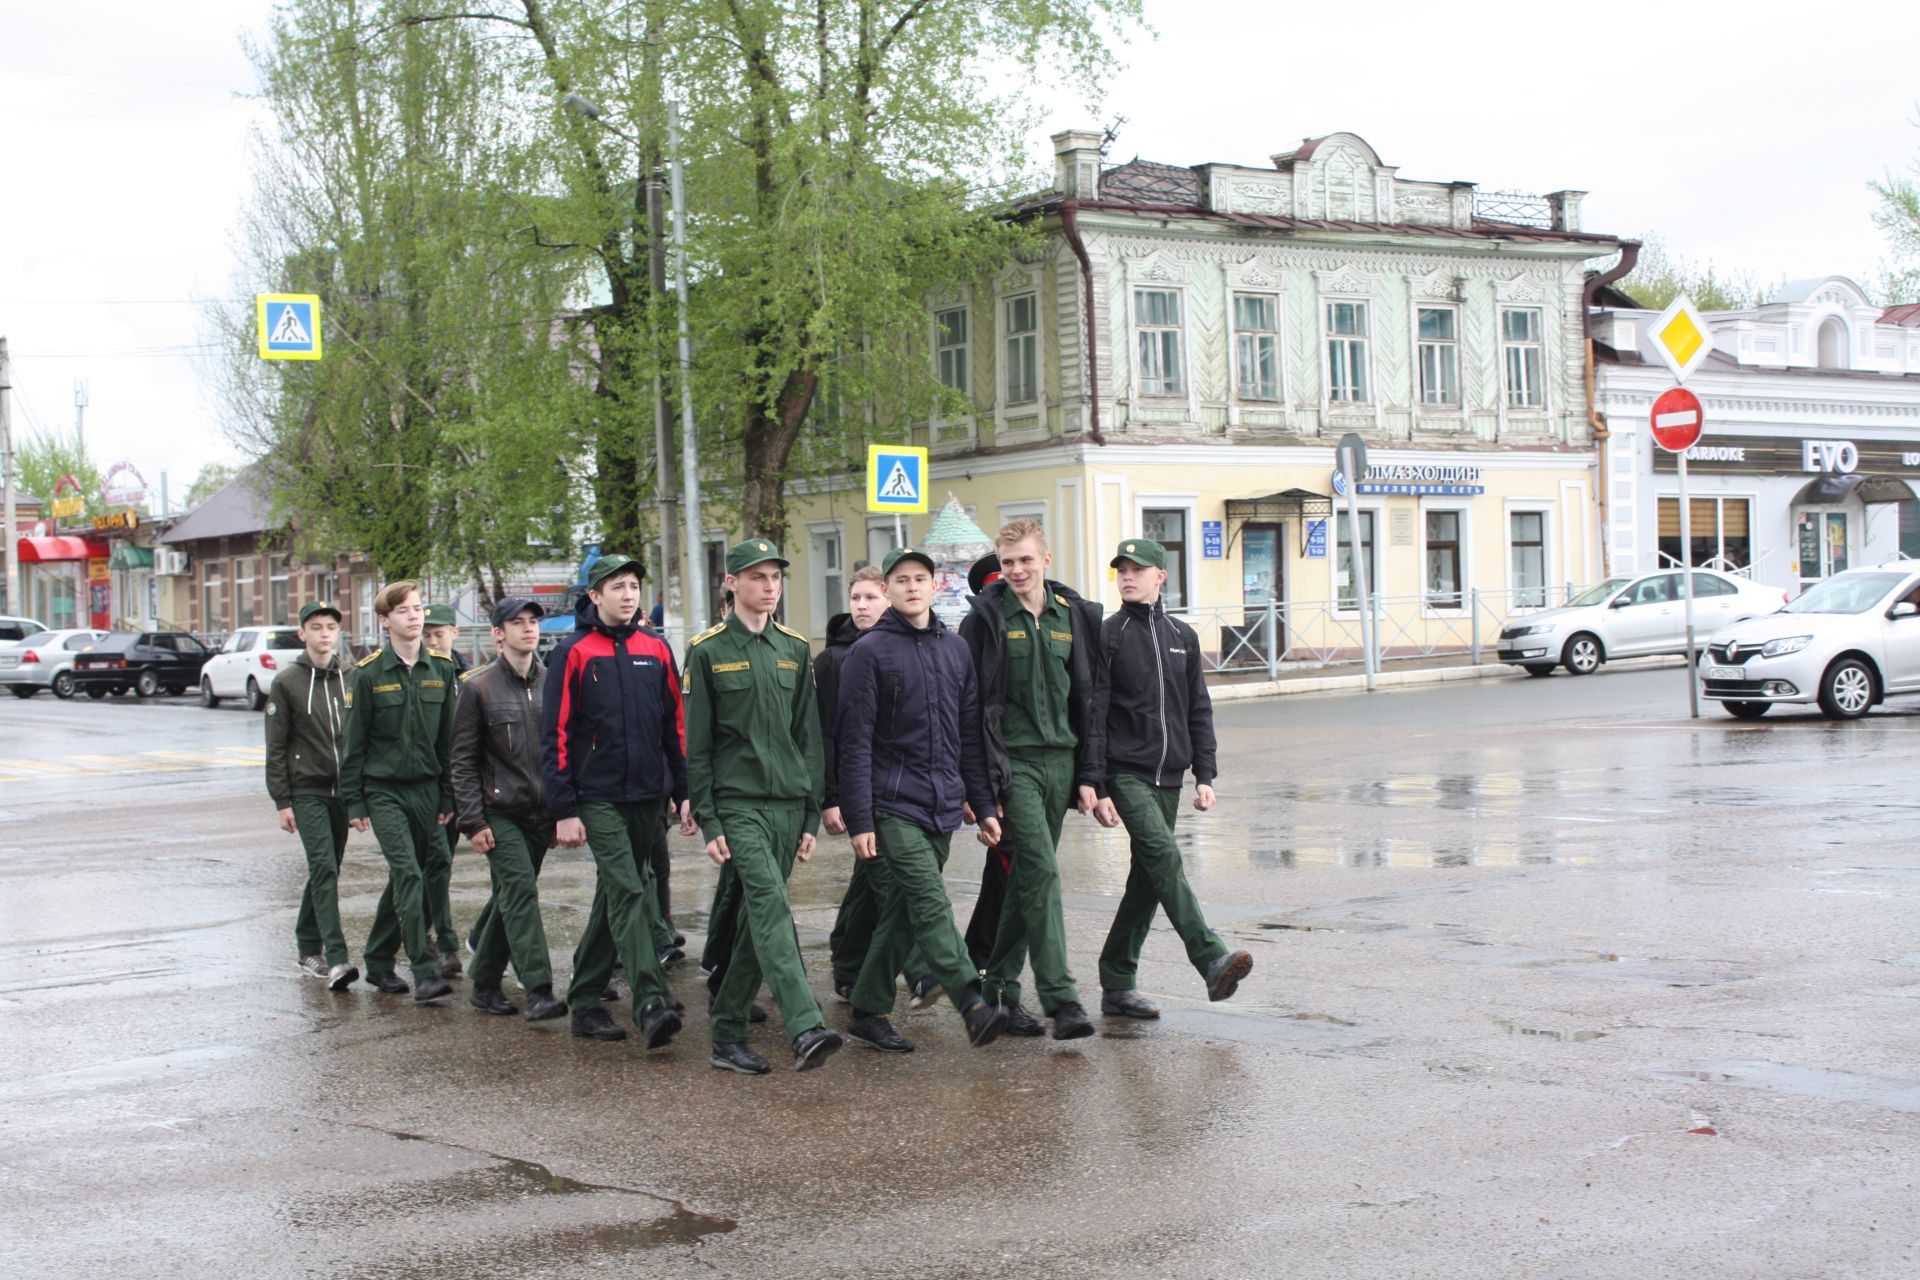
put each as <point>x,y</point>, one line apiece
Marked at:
<point>238,507</point>
<point>1905,314</point>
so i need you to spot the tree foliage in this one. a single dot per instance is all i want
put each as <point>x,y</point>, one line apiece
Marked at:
<point>1661,275</point>
<point>213,477</point>
<point>1898,219</point>
<point>44,458</point>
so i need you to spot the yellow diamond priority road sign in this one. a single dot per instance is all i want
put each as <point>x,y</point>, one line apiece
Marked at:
<point>1680,337</point>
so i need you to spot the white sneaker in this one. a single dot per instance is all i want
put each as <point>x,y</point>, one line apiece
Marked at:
<point>314,966</point>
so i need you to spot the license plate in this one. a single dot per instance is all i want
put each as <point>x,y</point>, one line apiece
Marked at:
<point>1726,673</point>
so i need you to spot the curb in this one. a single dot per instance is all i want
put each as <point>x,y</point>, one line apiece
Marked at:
<point>1406,679</point>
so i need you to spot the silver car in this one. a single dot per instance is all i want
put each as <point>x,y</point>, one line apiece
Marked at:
<point>1631,617</point>
<point>44,660</point>
<point>1848,642</point>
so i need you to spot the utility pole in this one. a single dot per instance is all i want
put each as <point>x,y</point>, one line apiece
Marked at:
<point>696,592</point>
<point>663,410</point>
<point>10,530</point>
<point>80,414</point>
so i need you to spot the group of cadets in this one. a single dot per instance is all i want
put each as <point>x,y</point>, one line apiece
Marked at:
<point>899,733</point>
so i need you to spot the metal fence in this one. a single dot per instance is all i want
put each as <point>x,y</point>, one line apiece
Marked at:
<point>1295,634</point>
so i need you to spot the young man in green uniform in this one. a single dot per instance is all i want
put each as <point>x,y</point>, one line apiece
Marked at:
<point>754,771</point>
<point>306,726</point>
<point>441,634</point>
<point>500,804</point>
<point>1151,695</point>
<point>1032,641</point>
<point>395,780</point>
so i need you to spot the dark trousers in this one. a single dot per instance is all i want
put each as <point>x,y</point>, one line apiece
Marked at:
<point>405,822</point>
<point>914,909</point>
<point>1155,880</point>
<point>322,824</point>
<point>624,919</point>
<point>510,926</point>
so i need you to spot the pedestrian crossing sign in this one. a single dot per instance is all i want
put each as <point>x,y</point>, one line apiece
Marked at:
<point>896,478</point>
<point>289,325</point>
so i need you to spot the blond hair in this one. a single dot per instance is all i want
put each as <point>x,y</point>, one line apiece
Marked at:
<point>1019,531</point>
<point>392,594</point>
<point>866,573</point>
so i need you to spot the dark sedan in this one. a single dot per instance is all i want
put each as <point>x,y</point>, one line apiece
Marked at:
<point>146,662</point>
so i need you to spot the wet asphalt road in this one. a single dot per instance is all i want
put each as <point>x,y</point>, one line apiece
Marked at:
<point>1549,982</point>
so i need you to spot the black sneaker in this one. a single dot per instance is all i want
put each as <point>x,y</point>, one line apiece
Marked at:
<point>875,1032</point>
<point>811,1048</point>
<point>1127,1004</point>
<point>985,1022</point>
<point>658,1024</point>
<point>595,1024</point>
<point>490,999</point>
<point>1070,1021</point>
<point>1225,974</point>
<point>427,989</point>
<point>671,956</point>
<point>388,983</point>
<point>543,1004</point>
<point>924,991</point>
<point>1019,1021</point>
<point>737,1057</point>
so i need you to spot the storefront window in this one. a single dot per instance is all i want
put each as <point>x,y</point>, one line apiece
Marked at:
<point>244,602</point>
<point>213,610</point>
<point>1168,527</point>
<point>1527,535</point>
<point>1346,576</point>
<point>1443,560</point>
<point>279,593</point>
<point>1721,538</point>
<point>1910,529</point>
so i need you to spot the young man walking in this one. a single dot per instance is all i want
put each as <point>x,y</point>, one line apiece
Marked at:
<point>610,753</point>
<point>1032,641</point>
<point>441,634</point>
<point>500,805</point>
<point>910,753</point>
<point>395,780</point>
<point>306,726</point>
<point>753,769</point>
<point>1151,694</point>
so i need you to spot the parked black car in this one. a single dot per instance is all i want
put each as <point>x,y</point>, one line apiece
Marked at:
<point>143,661</point>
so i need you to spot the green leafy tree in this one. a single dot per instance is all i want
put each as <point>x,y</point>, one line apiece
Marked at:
<point>1898,219</point>
<point>1660,276</point>
<point>212,478</point>
<point>47,457</point>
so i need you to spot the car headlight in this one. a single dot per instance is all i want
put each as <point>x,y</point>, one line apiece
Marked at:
<point>1537,630</point>
<point>1785,645</point>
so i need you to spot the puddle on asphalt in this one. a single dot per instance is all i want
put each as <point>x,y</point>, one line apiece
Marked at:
<point>108,1075</point>
<point>1826,1084</point>
<point>1393,852</point>
<point>1568,1037</point>
<point>1318,1017</point>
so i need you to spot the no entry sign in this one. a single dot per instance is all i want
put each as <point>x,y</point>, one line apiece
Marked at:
<point>1678,420</point>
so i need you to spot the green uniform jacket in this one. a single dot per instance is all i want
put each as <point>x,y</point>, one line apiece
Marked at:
<point>753,729</point>
<point>399,726</point>
<point>306,726</point>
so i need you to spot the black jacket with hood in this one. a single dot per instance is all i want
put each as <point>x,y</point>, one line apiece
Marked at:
<point>841,633</point>
<point>985,631</point>
<point>306,725</point>
<point>1151,698</point>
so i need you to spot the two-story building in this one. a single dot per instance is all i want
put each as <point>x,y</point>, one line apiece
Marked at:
<point>1182,356</point>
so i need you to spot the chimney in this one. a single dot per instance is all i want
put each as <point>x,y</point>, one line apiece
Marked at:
<point>1076,163</point>
<point>1566,209</point>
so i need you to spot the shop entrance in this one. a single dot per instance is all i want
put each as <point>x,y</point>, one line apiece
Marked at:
<point>1262,582</point>
<point>1821,537</point>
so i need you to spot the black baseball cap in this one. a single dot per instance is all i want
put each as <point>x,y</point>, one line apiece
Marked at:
<point>513,606</point>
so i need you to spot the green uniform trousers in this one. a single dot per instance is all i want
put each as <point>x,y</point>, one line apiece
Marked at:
<point>405,822</point>
<point>761,842</point>
<point>1155,880</point>
<point>439,891</point>
<point>914,910</point>
<point>624,916</point>
<point>510,924</point>
<point>853,928</point>
<point>322,824</point>
<point>1033,919</point>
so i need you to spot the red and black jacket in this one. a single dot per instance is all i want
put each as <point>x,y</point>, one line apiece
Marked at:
<point>612,725</point>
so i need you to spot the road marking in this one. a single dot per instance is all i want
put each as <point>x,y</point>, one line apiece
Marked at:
<point>118,763</point>
<point>201,758</point>
<point>46,766</point>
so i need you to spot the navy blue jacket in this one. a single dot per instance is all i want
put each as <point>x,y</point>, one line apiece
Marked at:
<point>908,727</point>
<point>612,724</point>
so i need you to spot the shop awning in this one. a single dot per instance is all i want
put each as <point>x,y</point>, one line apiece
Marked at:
<point>127,556</point>
<point>55,550</point>
<point>1272,508</point>
<point>1825,490</point>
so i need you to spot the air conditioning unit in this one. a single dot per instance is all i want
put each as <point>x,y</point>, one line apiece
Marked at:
<point>169,563</point>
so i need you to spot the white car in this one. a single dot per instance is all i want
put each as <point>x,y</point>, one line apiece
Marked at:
<point>12,628</point>
<point>1847,642</point>
<point>247,664</point>
<point>1630,618</point>
<point>44,660</point>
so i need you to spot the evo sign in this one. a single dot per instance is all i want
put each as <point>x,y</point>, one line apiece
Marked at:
<point>1841,457</point>
<point>1789,455</point>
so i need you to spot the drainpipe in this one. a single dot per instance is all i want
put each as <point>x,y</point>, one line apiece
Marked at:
<point>1070,226</point>
<point>1629,255</point>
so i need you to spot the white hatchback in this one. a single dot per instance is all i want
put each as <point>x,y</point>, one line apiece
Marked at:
<point>1630,618</point>
<point>247,663</point>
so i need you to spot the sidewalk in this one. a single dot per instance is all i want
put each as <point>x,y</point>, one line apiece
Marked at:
<point>1395,673</point>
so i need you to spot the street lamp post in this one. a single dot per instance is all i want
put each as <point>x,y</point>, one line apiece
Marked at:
<point>10,462</point>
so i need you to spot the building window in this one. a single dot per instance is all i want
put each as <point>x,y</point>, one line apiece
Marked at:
<point>950,348</point>
<point>1346,351</point>
<point>279,591</point>
<point>881,539</point>
<point>1256,333</point>
<point>1527,574</point>
<point>1525,358</point>
<point>213,603</point>
<point>244,601</point>
<point>1346,575</point>
<point>1439,356</point>
<point>1720,532</point>
<point>1157,319</point>
<point>1443,581</point>
<point>830,575</point>
<point>1023,348</point>
<point>1168,527</point>
<point>368,636</point>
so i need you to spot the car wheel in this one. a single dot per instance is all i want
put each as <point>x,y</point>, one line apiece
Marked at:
<point>146,684</point>
<point>1539,668</point>
<point>1846,690</point>
<point>63,685</point>
<point>256,700</point>
<point>24,691</point>
<point>1747,710</point>
<point>96,692</point>
<point>1581,657</point>
<point>207,698</point>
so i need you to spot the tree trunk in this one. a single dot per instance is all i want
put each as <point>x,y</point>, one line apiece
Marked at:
<point>769,440</point>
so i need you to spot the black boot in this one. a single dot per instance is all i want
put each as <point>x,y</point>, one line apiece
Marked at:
<point>737,1057</point>
<point>1127,1004</point>
<point>388,983</point>
<point>426,989</point>
<point>874,1031</point>
<point>490,999</point>
<point>543,1004</point>
<point>1019,1021</point>
<point>811,1048</point>
<point>595,1024</point>
<point>985,1022</point>
<point>1070,1021</point>
<point>658,1024</point>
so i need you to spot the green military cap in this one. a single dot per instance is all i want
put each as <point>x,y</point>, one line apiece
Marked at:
<point>441,615</point>
<point>753,551</point>
<point>898,554</point>
<point>608,565</point>
<point>319,606</point>
<point>1142,551</point>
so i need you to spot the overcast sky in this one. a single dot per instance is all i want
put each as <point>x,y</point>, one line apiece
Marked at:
<point>1742,135</point>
